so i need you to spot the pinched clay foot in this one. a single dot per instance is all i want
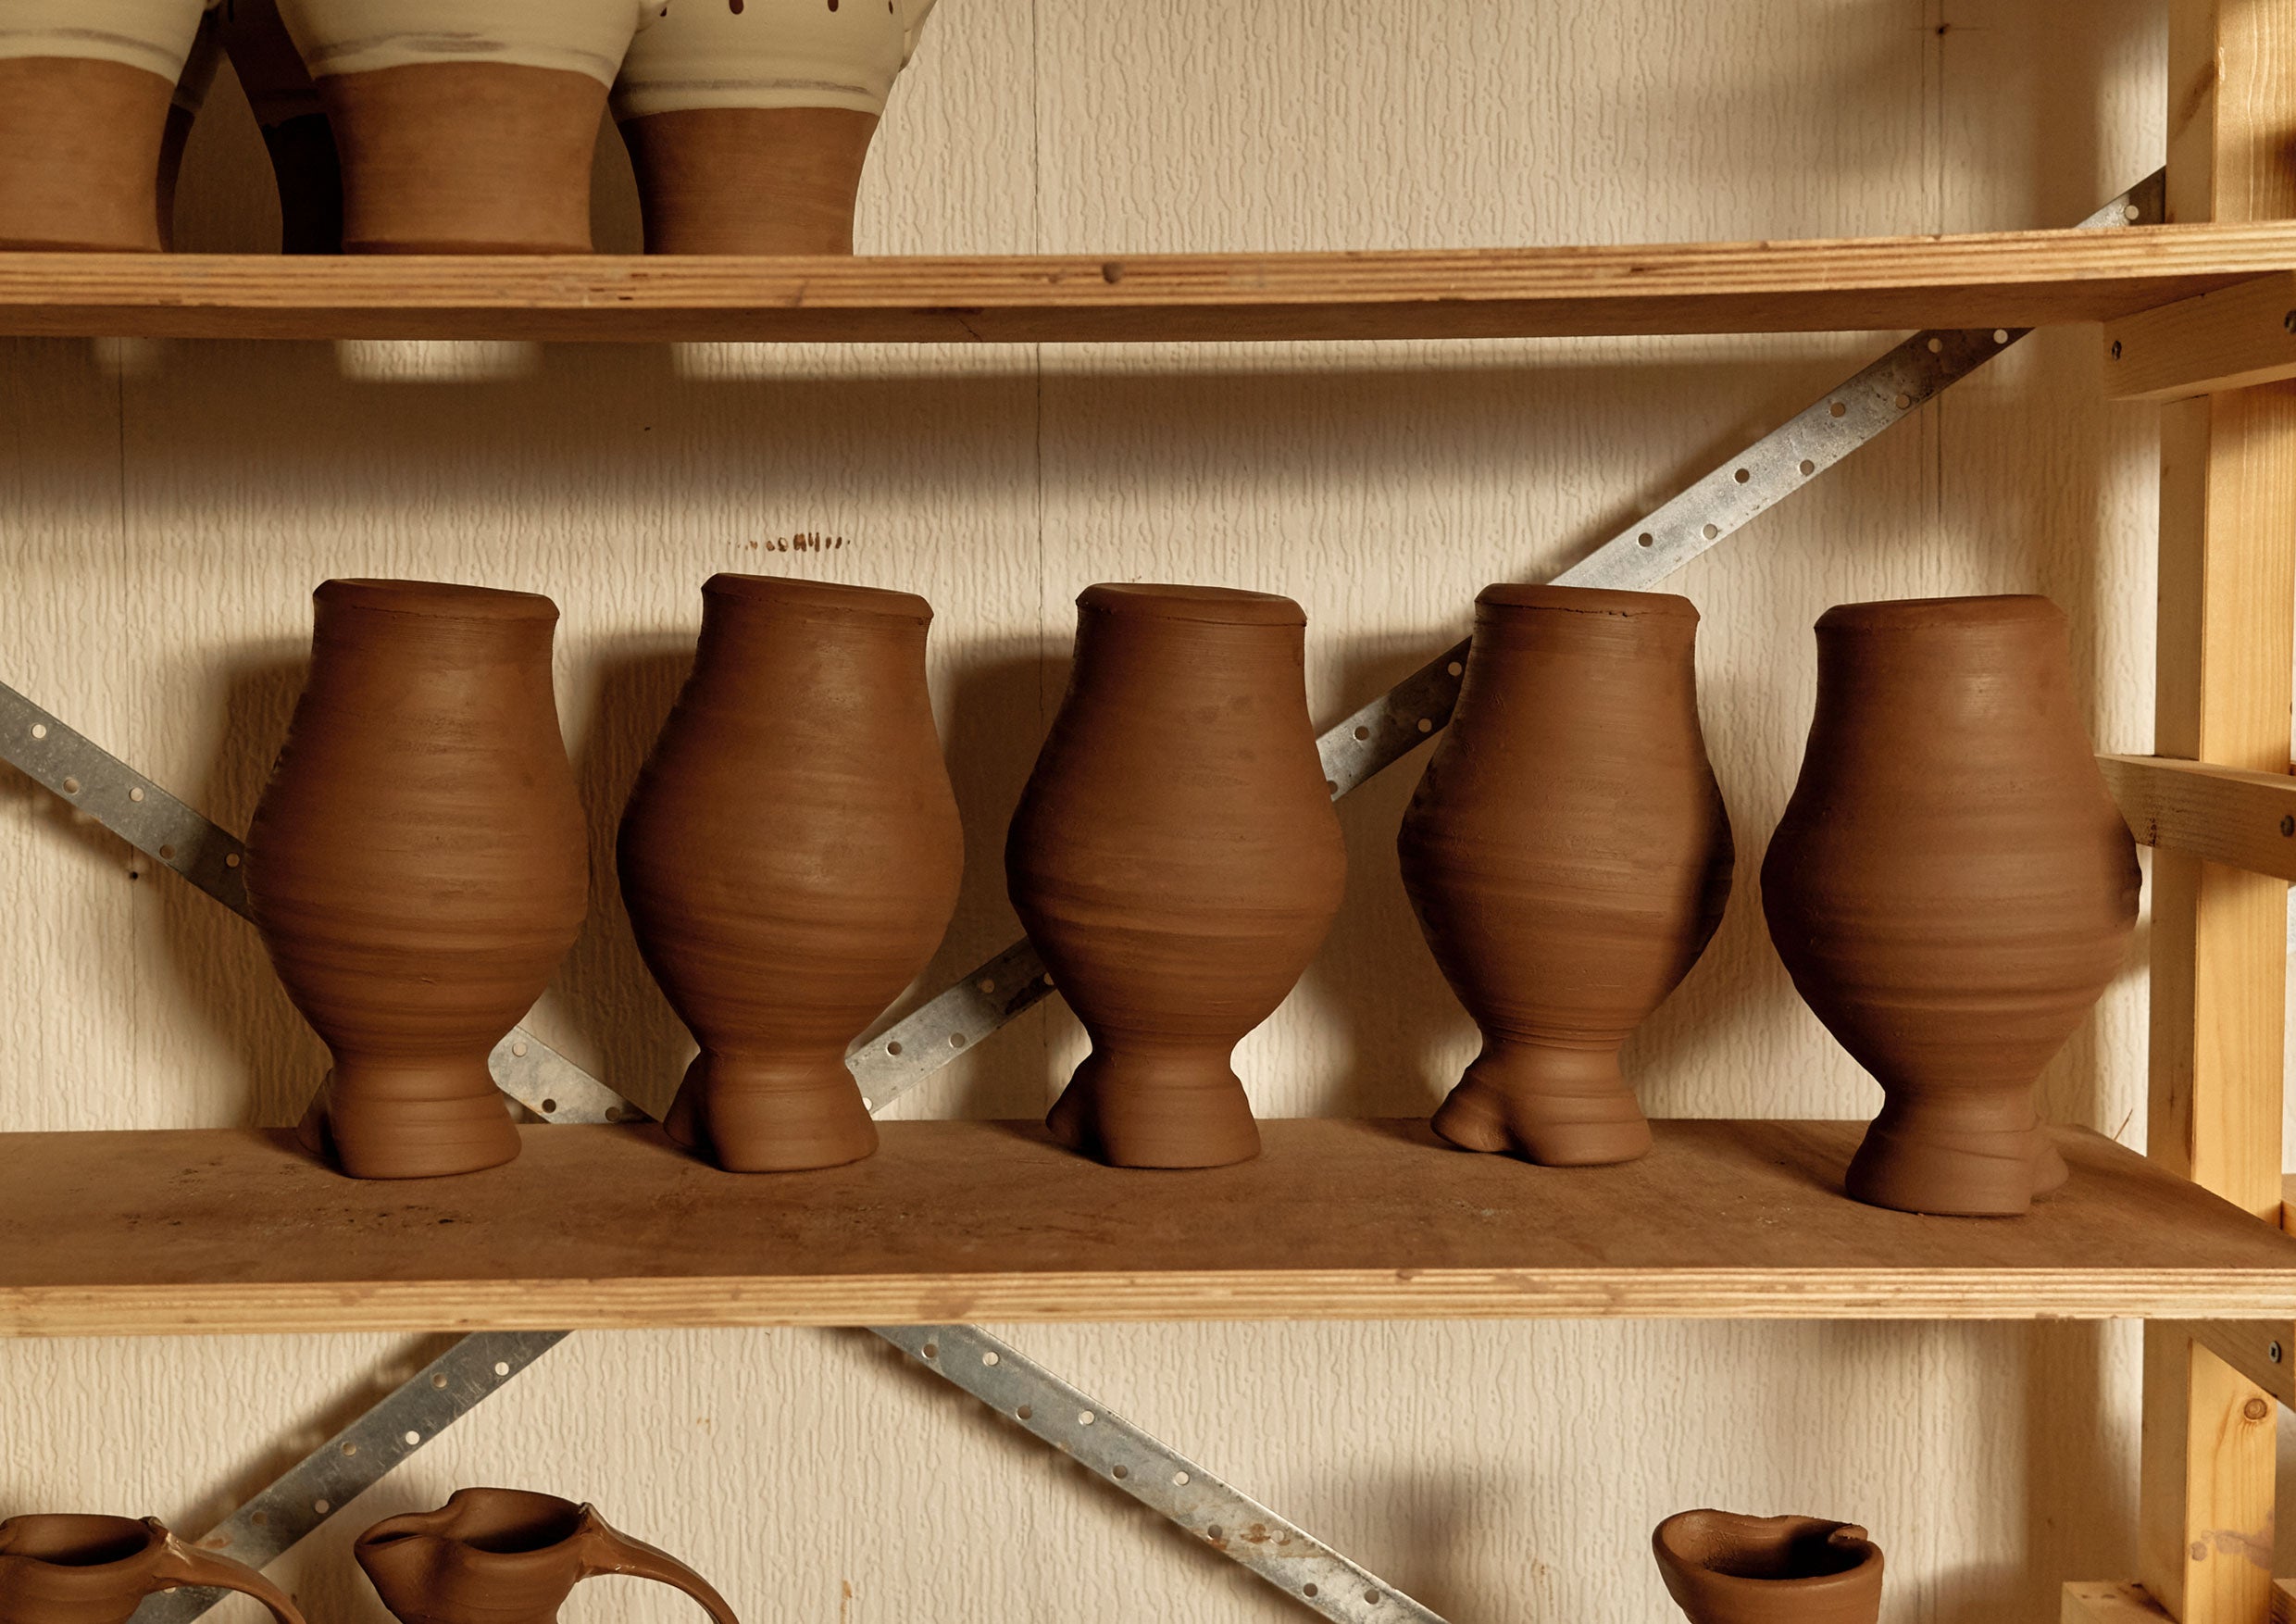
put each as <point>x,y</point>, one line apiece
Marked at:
<point>1558,1107</point>
<point>780,1117</point>
<point>1957,1162</point>
<point>1156,1108</point>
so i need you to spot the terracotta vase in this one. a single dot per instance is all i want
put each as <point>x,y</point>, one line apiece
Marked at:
<point>748,121</point>
<point>1951,887</point>
<point>791,857</point>
<point>1723,1568</point>
<point>287,109</point>
<point>417,866</point>
<point>1176,860</point>
<point>1568,856</point>
<point>85,88</point>
<point>506,1557</point>
<point>63,1569</point>
<point>191,94</point>
<point>465,126</point>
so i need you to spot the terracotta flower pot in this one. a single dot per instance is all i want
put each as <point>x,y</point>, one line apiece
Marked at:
<point>1723,1568</point>
<point>506,1557</point>
<point>1176,860</point>
<point>85,86</point>
<point>1951,887</point>
<point>1568,856</point>
<point>191,94</point>
<point>417,866</point>
<point>748,121</point>
<point>465,126</point>
<point>791,857</point>
<point>287,109</point>
<point>61,1570</point>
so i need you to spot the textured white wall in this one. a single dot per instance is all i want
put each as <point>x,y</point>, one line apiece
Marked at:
<point>166,509</point>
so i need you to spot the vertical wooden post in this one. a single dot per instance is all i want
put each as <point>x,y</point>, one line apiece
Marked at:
<point>2226,636</point>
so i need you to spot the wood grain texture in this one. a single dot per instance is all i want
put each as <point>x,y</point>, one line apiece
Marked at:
<point>2234,338</point>
<point>2093,1602</point>
<point>2015,278</point>
<point>2262,1351</point>
<point>2227,632</point>
<point>236,1230</point>
<point>2224,814</point>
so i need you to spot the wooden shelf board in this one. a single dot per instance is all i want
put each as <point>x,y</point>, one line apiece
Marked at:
<point>234,1230</point>
<point>1998,279</point>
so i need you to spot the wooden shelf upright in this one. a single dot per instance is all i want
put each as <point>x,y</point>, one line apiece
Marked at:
<point>2219,940</point>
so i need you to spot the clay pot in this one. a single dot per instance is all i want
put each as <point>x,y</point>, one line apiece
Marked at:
<point>1569,856</point>
<point>62,1569</point>
<point>465,126</point>
<point>506,1557</point>
<point>1176,860</point>
<point>1723,1568</point>
<point>748,121</point>
<point>85,87</point>
<point>191,94</point>
<point>287,109</point>
<point>1951,886</point>
<point>791,857</point>
<point>417,866</point>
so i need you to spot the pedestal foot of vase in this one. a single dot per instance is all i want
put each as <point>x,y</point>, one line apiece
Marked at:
<point>775,1116</point>
<point>409,1122</point>
<point>1960,1161</point>
<point>1157,1108</point>
<point>1558,1107</point>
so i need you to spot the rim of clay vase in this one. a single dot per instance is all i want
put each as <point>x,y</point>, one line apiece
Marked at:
<point>1921,614</point>
<point>1690,1538</point>
<point>437,600</point>
<point>796,592</point>
<point>1585,600</point>
<point>57,1538</point>
<point>1219,606</point>
<point>506,1523</point>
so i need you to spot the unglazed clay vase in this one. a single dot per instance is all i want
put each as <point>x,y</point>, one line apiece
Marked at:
<point>191,94</point>
<point>506,1556</point>
<point>1951,887</point>
<point>1176,860</point>
<point>1568,856</point>
<point>1723,1568</point>
<point>70,1569</point>
<point>416,863</point>
<point>287,109</point>
<point>748,121</point>
<point>85,88</point>
<point>791,857</point>
<point>465,126</point>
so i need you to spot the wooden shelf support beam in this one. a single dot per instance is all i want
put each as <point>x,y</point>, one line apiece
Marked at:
<point>2224,814</point>
<point>2236,338</point>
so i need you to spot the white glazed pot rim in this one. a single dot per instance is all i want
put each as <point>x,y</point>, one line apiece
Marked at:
<point>771,54</point>
<point>154,36</point>
<point>587,37</point>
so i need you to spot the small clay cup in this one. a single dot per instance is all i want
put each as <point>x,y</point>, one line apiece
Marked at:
<point>417,866</point>
<point>1568,856</point>
<point>1176,860</point>
<point>1951,887</point>
<point>465,126</point>
<point>294,121</point>
<point>85,91</point>
<point>791,857</point>
<point>1721,1568</point>
<point>507,1556</point>
<point>748,124</point>
<point>74,1569</point>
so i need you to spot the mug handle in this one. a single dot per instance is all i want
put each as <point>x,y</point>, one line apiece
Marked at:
<point>611,1551</point>
<point>181,1564</point>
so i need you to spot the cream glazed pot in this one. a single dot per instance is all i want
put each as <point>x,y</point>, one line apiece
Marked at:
<point>748,121</point>
<point>465,126</point>
<point>85,91</point>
